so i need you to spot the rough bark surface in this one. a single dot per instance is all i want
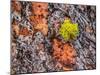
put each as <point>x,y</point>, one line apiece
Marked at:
<point>36,45</point>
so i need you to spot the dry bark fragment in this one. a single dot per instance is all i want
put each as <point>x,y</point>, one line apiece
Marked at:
<point>24,31</point>
<point>16,6</point>
<point>40,8</point>
<point>15,28</point>
<point>39,21</point>
<point>64,54</point>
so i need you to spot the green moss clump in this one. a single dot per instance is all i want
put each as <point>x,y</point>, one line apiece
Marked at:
<point>68,30</point>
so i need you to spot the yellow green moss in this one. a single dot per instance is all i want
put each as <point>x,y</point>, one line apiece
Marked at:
<point>68,30</point>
